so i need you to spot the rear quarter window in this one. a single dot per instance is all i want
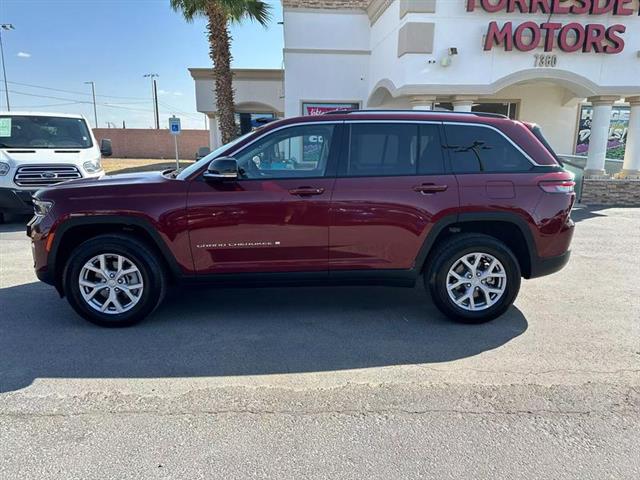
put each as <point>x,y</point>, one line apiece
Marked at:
<point>475,149</point>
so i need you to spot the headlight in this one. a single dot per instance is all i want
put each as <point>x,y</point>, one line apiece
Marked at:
<point>92,166</point>
<point>4,169</point>
<point>40,207</point>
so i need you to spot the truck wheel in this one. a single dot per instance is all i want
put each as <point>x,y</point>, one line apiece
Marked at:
<point>473,278</point>
<point>114,280</point>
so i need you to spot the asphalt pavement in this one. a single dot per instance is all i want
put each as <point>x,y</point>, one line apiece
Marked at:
<point>327,382</point>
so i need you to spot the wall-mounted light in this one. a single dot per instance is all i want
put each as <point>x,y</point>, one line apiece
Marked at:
<point>446,61</point>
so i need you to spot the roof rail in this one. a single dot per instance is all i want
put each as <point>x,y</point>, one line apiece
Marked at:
<point>352,111</point>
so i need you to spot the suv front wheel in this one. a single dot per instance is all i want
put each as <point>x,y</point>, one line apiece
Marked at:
<point>473,278</point>
<point>114,280</point>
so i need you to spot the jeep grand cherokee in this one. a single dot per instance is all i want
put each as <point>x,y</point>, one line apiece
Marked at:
<point>471,202</point>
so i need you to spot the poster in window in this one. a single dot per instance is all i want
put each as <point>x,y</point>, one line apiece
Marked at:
<point>320,108</point>
<point>618,126</point>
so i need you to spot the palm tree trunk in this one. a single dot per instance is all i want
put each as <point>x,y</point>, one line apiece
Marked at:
<point>220,53</point>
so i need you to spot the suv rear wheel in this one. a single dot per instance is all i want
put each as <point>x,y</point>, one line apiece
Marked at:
<point>114,280</point>
<point>473,278</point>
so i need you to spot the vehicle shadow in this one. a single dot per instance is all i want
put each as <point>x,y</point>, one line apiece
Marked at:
<point>222,331</point>
<point>585,212</point>
<point>14,223</point>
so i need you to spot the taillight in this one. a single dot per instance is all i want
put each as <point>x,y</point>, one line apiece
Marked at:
<point>557,186</point>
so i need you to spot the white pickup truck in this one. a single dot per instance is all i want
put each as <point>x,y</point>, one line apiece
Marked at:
<point>42,149</point>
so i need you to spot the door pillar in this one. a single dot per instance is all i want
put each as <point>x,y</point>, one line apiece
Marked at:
<point>631,165</point>
<point>599,135</point>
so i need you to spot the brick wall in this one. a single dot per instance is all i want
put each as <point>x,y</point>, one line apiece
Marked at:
<point>150,143</point>
<point>327,4</point>
<point>614,192</point>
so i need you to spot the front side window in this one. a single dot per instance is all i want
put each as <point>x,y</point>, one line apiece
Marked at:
<point>481,149</point>
<point>391,149</point>
<point>29,131</point>
<point>295,152</point>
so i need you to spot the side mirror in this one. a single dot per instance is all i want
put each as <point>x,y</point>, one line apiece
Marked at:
<point>222,168</point>
<point>105,147</point>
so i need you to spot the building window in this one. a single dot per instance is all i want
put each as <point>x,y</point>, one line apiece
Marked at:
<point>246,122</point>
<point>508,109</point>
<point>618,127</point>
<point>320,108</point>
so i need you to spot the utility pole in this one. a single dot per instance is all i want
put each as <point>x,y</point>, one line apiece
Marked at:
<point>93,91</point>
<point>154,93</point>
<point>5,26</point>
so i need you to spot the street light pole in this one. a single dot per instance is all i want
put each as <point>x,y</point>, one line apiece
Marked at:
<point>95,110</point>
<point>5,26</point>
<point>154,94</point>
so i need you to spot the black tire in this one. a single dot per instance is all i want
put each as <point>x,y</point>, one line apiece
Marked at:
<point>147,263</point>
<point>443,259</point>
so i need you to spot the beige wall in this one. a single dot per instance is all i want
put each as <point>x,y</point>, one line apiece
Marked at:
<point>551,107</point>
<point>256,90</point>
<point>150,143</point>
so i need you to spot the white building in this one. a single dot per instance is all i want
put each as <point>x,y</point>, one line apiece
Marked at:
<point>567,66</point>
<point>258,94</point>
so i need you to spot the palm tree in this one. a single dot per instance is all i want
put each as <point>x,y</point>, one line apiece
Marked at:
<point>219,13</point>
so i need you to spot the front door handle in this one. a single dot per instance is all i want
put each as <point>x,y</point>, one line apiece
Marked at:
<point>427,188</point>
<point>306,191</point>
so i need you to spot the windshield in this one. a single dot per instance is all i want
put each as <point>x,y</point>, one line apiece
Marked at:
<point>30,131</point>
<point>205,160</point>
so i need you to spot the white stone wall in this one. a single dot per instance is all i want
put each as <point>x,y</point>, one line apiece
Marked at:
<point>326,58</point>
<point>343,55</point>
<point>473,67</point>
<point>263,92</point>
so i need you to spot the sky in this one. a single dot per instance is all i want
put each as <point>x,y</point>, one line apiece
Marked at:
<point>57,45</point>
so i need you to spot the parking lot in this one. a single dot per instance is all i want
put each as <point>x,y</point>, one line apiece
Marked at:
<point>365,382</point>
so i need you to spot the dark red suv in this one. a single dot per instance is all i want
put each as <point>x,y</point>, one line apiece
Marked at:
<point>472,202</point>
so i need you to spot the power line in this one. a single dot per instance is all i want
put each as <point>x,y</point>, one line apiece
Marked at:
<point>122,106</point>
<point>47,106</point>
<point>73,91</point>
<point>71,100</point>
<point>181,112</point>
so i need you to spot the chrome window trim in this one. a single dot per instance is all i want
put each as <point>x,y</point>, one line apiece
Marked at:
<point>491,127</point>
<point>417,121</point>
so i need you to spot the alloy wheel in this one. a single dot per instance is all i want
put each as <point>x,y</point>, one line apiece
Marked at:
<point>111,283</point>
<point>476,281</point>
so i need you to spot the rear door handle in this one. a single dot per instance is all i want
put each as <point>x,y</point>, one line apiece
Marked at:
<point>427,188</point>
<point>306,191</point>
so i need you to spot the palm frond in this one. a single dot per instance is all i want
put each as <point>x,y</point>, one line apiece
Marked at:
<point>254,10</point>
<point>236,10</point>
<point>190,9</point>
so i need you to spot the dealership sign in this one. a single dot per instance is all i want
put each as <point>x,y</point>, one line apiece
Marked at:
<point>569,36</point>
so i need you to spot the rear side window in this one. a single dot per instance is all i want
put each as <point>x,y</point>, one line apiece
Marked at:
<point>392,149</point>
<point>481,149</point>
